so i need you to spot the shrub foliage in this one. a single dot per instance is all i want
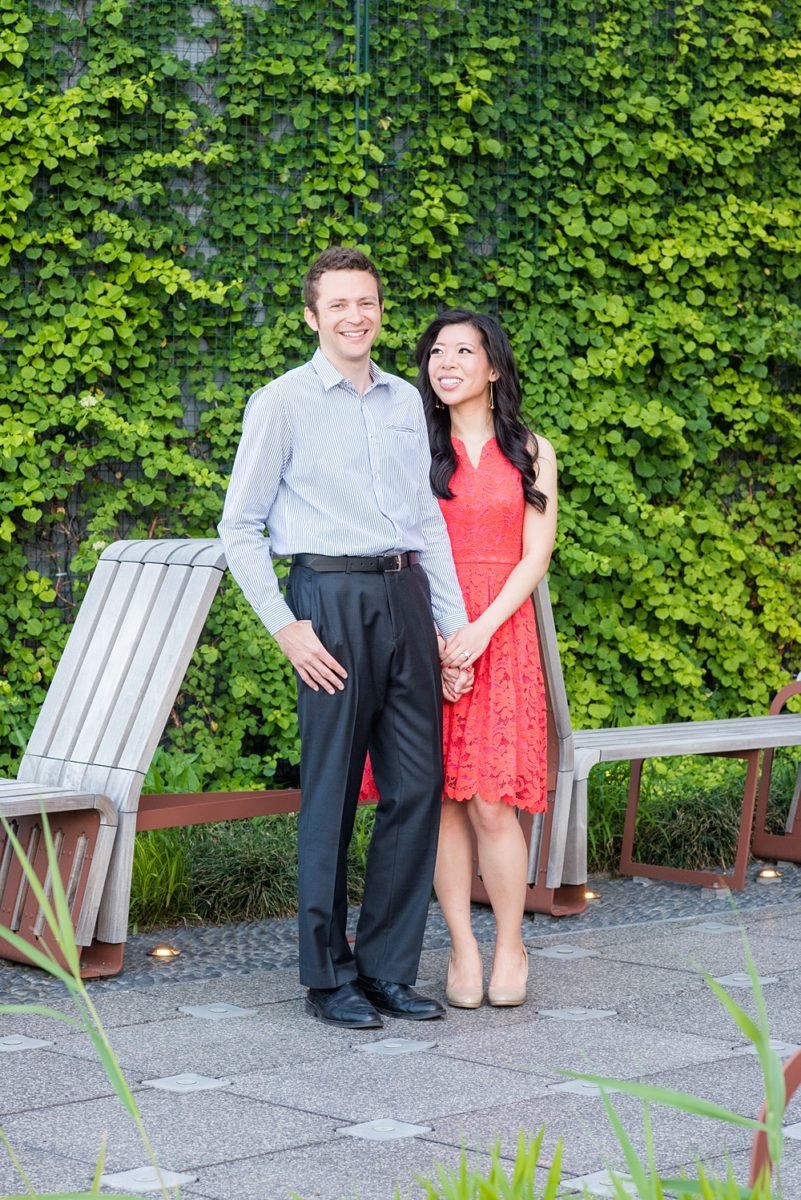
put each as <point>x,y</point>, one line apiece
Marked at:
<point>618,181</point>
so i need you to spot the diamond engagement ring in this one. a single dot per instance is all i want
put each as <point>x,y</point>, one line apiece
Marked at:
<point>466,654</point>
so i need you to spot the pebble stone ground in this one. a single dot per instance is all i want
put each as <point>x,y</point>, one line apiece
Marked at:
<point>271,1103</point>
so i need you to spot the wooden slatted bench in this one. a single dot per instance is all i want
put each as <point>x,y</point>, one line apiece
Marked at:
<point>563,843</point>
<point>96,733</point>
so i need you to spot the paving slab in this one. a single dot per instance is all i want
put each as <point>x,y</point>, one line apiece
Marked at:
<point>295,1083</point>
<point>187,1132</point>
<point>735,1083</point>
<point>694,948</point>
<point>35,1025</point>
<point>256,988</point>
<point>35,1079</point>
<point>46,1172</point>
<point>235,1047</point>
<point>773,920</point>
<point>603,982</point>
<point>338,1170</point>
<point>162,1000</point>
<point>623,1048</point>
<point>701,1012</point>
<point>789,1173</point>
<point>589,1142</point>
<point>414,1087</point>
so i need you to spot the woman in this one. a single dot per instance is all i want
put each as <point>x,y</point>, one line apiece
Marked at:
<point>496,484</point>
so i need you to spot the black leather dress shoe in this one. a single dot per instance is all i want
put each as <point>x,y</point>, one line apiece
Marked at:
<point>399,1000</point>
<point>345,1006</point>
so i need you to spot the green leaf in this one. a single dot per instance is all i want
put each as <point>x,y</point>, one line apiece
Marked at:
<point>673,1099</point>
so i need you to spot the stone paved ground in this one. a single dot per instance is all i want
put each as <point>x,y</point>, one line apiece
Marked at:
<point>282,1090</point>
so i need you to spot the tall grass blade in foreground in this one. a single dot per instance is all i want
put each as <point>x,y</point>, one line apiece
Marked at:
<point>59,921</point>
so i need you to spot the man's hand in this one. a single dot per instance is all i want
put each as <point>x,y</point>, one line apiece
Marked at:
<point>456,682</point>
<point>316,667</point>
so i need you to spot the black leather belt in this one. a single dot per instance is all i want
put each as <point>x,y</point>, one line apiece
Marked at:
<point>385,563</point>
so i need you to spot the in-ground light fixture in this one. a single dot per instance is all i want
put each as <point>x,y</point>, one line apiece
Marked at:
<point>163,952</point>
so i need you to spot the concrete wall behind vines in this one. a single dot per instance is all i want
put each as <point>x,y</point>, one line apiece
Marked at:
<point>617,181</point>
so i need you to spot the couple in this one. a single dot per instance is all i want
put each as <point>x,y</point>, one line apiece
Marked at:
<point>338,461</point>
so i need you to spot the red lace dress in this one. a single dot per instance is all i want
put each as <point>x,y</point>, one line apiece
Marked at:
<point>494,737</point>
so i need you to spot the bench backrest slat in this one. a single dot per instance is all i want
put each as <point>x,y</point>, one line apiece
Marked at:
<point>170,664</point>
<point>552,665</point>
<point>78,665</point>
<point>99,686</point>
<point>150,623</point>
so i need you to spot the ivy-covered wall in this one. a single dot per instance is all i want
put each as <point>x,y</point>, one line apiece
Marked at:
<point>618,180</point>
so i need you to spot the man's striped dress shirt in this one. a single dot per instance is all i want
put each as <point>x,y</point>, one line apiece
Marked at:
<point>328,471</point>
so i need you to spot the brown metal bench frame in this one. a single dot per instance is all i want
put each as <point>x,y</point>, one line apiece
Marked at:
<point>760,1155</point>
<point>732,879</point>
<point>782,846</point>
<point>755,795</point>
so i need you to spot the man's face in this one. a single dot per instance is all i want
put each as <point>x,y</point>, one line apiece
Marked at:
<point>348,316</point>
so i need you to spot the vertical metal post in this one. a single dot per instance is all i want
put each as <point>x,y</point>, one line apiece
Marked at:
<point>357,23</point>
<point>361,21</point>
<point>366,50</point>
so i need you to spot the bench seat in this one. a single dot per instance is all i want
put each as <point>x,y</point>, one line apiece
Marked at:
<point>741,737</point>
<point>729,736</point>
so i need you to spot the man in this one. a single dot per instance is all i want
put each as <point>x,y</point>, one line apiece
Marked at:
<point>334,462</point>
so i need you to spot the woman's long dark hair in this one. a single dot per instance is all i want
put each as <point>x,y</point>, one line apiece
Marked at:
<point>516,442</point>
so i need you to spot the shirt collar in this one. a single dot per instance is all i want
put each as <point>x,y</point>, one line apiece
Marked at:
<point>330,376</point>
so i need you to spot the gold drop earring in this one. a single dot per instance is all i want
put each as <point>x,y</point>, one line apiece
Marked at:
<point>492,397</point>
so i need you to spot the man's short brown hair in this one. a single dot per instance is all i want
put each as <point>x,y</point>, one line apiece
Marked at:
<point>337,258</point>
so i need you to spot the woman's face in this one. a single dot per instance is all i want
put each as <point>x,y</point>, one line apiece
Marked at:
<point>458,367</point>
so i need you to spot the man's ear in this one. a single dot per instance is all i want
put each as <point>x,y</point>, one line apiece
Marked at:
<point>311,318</point>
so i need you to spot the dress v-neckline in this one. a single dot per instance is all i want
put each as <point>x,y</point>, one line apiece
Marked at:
<point>475,466</point>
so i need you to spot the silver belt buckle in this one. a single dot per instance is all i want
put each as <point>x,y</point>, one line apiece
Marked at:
<point>398,563</point>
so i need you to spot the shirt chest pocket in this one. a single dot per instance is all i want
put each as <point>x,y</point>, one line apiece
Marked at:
<point>402,455</point>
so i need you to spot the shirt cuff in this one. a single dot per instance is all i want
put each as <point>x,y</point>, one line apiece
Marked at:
<point>448,624</point>
<point>277,615</point>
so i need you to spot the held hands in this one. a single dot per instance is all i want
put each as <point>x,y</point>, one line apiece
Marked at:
<point>465,646</point>
<point>455,680</point>
<point>309,657</point>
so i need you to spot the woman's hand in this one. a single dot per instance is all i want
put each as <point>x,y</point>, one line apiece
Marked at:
<point>466,645</point>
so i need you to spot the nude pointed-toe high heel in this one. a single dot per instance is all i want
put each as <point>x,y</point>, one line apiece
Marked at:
<point>463,997</point>
<point>510,997</point>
